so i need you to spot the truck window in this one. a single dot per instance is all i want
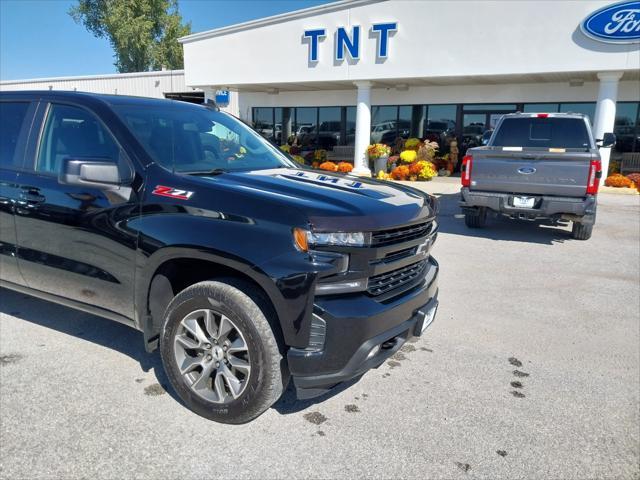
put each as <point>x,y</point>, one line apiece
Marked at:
<point>12,115</point>
<point>76,133</point>
<point>190,139</point>
<point>534,132</point>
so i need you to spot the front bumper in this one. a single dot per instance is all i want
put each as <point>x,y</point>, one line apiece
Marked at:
<point>361,333</point>
<point>545,206</point>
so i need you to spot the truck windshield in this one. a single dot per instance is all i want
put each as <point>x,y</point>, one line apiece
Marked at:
<point>193,139</point>
<point>551,132</point>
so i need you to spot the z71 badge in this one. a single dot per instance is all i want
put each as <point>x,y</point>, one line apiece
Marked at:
<point>172,192</point>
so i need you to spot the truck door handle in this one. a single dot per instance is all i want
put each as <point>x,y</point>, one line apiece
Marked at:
<point>31,196</point>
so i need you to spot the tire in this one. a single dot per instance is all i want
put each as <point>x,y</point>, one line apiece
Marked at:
<point>581,231</point>
<point>475,218</point>
<point>216,383</point>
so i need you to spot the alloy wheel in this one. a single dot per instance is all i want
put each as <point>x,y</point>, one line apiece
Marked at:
<point>212,356</point>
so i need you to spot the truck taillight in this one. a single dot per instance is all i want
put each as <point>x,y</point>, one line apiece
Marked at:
<point>593,181</point>
<point>465,178</point>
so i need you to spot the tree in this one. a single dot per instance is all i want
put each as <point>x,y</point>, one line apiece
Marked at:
<point>143,33</point>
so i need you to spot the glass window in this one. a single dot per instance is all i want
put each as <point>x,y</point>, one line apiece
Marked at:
<point>534,132</point>
<point>263,121</point>
<point>12,115</point>
<point>441,124</point>
<point>491,106</point>
<point>404,121</point>
<point>626,127</point>
<point>384,124</point>
<point>72,132</point>
<point>330,127</point>
<point>416,115</point>
<point>473,127</point>
<point>540,108</point>
<point>586,108</point>
<point>351,126</point>
<point>191,139</point>
<point>287,125</point>
<point>305,127</point>
<point>277,132</point>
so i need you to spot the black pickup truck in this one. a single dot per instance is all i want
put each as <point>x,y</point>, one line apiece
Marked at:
<point>245,268</point>
<point>536,166</point>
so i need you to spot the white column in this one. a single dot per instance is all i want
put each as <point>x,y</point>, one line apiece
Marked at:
<point>605,116</point>
<point>209,93</point>
<point>363,129</point>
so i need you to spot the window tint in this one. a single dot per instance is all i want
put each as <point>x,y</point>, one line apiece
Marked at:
<point>542,133</point>
<point>75,133</point>
<point>12,115</point>
<point>190,139</point>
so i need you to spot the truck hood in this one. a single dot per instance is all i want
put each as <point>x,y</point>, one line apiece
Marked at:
<point>333,201</point>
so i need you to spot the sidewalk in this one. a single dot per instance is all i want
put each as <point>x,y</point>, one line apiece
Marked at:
<point>447,185</point>
<point>436,186</point>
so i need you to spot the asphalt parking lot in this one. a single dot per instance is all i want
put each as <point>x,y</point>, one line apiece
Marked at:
<point>531,370</point>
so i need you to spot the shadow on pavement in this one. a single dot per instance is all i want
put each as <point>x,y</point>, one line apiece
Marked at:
<point>289,403</point>
<point>451,220</point>
<point>88,327</point>
<point>122,339</point>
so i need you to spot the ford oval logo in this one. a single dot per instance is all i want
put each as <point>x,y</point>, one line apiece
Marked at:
<point>618,23</point>
<point>526,170</point>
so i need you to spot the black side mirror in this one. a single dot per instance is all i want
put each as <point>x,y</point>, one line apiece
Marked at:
<point>97,172</point>
<point>608,140</point>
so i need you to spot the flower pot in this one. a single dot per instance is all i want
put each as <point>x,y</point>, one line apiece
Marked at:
<point>380,163</point>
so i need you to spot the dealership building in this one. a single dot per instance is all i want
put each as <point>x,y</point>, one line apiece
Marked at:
<point>351,71</point>
<point>346,73</point>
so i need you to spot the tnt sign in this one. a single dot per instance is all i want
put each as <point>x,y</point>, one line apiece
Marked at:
<point>348,43</point>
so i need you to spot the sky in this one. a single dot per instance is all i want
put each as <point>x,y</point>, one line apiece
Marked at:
<point>39,39</point>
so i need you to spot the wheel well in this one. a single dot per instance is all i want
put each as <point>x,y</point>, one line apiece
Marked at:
<point>175,275</point>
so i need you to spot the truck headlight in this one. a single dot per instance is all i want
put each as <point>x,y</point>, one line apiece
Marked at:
<point>304,239</point>
<point>340,239</point>
<point>347,286</point>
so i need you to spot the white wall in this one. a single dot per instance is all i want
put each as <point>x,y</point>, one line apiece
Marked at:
<point>434,39</point>
<point>507,93</point>
<point>141,84</point>
<point>145,84</point>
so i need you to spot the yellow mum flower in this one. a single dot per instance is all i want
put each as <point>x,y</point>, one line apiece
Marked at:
<point>408,156</point>
<point>411,142</point>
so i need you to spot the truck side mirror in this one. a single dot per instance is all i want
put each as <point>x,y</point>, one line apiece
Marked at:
<point>608,140</point>
<point>97,172</point>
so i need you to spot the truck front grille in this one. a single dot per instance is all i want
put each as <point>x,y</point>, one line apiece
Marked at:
<point>386,282</point>
<point>399,234</point>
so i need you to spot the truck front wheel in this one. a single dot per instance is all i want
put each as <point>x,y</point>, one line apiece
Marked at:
<point>220,353</point>
<point>475,218</point>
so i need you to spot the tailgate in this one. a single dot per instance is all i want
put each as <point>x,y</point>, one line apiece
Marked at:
<point>542,173</point>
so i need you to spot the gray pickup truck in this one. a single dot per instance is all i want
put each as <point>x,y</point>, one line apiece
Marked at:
<point>536,166</point>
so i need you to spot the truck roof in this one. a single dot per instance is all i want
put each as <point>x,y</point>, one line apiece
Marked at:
<point>547,114</point>
<point>104,97</point>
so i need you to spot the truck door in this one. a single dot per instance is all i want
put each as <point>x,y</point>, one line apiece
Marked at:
<point>74,241</point>
<point>15,121</point>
